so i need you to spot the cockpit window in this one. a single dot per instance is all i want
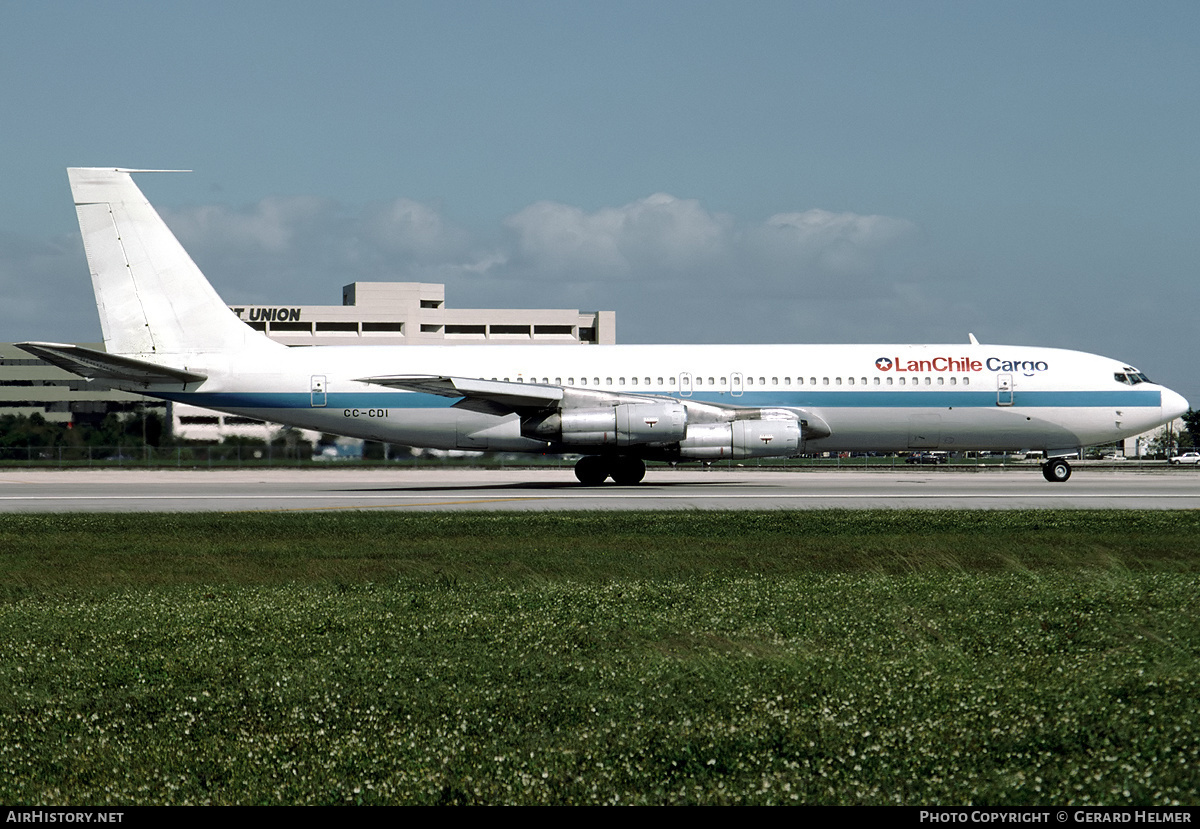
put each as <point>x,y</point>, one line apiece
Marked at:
<point>1131,377</point>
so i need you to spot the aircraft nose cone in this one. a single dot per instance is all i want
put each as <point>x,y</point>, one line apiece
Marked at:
<point>1173,404</point>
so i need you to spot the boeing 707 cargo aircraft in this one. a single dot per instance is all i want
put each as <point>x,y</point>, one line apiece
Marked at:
<point>167,334</point>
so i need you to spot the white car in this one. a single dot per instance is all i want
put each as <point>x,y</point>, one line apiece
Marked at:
<point>1186,457</point>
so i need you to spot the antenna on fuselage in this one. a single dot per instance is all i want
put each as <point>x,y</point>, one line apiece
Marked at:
<point>973,340</point>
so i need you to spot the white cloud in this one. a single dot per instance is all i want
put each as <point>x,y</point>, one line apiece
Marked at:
<point>272,225</point>
<point>672,269</point>
<point>658,233</point>
<point>840,243</point>
<point>411,228</point>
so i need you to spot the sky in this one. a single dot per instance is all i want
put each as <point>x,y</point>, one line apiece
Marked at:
<point>740,172</point>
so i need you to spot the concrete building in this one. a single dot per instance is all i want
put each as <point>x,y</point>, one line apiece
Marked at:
<point>415,313</point>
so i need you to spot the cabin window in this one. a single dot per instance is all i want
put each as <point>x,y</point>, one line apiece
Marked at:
<point>901,381</point>
<point>660,380</point>
<point>928,381</point>
<point>583,381</point>
<point>633,380</point>
<point>812,381</point>
<point>787,381</point>
<point>607,381</point>
<point>941,381</point>
<point>711,381</point>
<point>824,381</point>
<point>864,381</point>
<point>558,381</point>
<point>852,381</point>
<point>966,381</point>
<point>877,381</point>
<point>749,381</point>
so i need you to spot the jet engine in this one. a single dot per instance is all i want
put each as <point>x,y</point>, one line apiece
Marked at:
<point>740,439</point>
<point>625,424</point>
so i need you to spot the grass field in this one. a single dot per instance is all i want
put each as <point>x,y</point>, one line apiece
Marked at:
<point>1000,658</point>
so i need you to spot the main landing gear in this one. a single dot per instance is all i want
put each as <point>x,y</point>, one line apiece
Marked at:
<point>594,469</point>
<point>1056,470</point>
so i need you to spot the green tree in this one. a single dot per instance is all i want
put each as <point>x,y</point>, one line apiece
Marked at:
<point>1191,422</point>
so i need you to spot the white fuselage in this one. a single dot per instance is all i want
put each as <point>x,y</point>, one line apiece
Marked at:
<point>873,397</point>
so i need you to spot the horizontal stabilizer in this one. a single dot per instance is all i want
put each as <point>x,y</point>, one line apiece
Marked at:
<point>513,395</point>
<point>98,365</point>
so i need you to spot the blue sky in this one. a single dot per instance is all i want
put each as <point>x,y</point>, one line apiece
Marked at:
<point>713,171</point>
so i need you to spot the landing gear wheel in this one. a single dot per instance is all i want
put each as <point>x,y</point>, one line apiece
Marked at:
<point>1056,471</point>
<point>628,471</point>
<point>591,471</point>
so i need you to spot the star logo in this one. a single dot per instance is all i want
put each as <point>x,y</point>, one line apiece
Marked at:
<point>883,364</point>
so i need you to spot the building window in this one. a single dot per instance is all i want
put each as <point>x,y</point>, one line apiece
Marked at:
<point>382,327</point>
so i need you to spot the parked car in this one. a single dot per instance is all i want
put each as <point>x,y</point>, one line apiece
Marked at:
<point>927,457</point>
<point>1186,457</point>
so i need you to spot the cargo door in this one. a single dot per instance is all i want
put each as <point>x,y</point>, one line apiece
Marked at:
<point>924,431</point>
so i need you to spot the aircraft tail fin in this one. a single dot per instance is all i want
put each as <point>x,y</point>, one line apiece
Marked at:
<point>152,298</point>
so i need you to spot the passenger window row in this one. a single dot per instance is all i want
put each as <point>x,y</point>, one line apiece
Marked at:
<point>723,382</point>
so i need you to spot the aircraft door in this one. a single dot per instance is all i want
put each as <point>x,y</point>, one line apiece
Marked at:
<point>735,384</point>
<point>317,397</point>
<point>685,384</point>
<point>1004,390</point>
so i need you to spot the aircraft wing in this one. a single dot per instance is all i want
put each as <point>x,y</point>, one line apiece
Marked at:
<point>506,394</point>
<point>99,365</point>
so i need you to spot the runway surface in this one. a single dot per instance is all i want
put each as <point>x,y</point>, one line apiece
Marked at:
<point>280,490</point>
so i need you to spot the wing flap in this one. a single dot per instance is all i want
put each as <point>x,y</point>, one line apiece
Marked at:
<point>99,365</point>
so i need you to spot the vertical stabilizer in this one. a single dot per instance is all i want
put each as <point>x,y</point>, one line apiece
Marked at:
<point>152,298</point>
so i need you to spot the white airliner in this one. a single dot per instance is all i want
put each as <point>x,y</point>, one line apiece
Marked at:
<point>169,335</point>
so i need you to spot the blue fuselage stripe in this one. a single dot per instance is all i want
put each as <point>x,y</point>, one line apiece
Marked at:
<point>864,399</point>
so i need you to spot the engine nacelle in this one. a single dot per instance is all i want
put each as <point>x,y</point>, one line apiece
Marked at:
<point>741,439</point>
<point>626,424</point>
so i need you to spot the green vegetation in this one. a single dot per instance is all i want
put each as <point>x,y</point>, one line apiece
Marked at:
<point>1001,658</point>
